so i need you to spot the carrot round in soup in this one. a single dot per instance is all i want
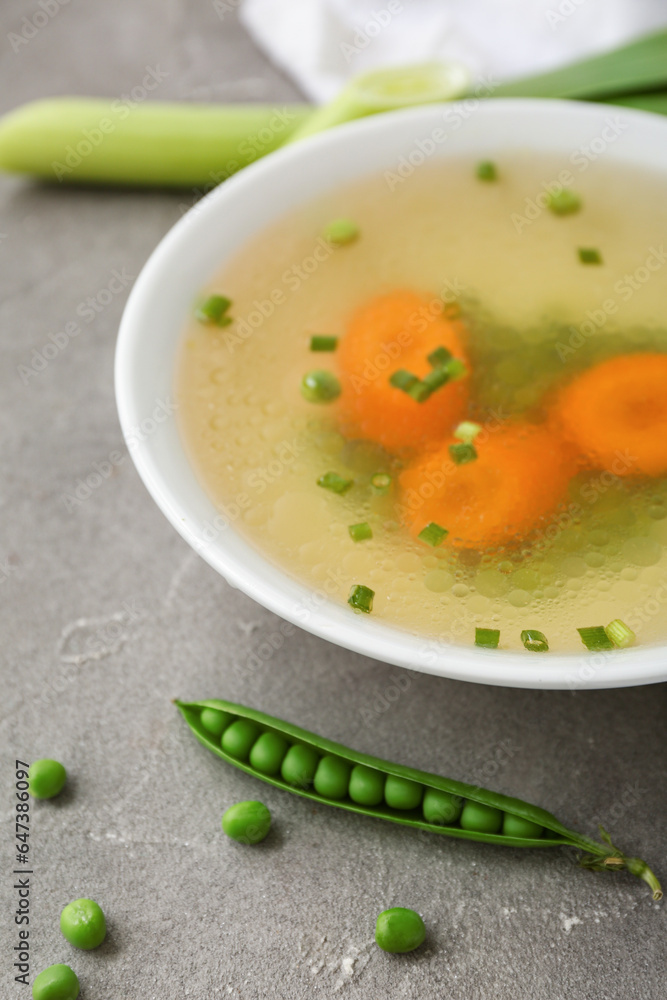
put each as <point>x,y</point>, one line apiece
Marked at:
<point>391,338</point>
<point>616,414</point>
<point>518,477</point>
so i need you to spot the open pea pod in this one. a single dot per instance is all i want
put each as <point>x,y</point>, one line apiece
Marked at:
<point>298,761</point>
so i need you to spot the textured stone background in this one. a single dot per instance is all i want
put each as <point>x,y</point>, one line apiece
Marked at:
<point>106,615</point>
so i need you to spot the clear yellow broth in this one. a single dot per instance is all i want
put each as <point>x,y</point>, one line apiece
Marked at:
<point>535,315</point>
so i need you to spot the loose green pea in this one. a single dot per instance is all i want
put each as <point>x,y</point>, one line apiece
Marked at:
<point>268,752</point>
<point>441,807</point>
<point>300,765</point>
<point>247,822</point>
<point>483,819</point>
<point>237,739</point>
<point>320,386</point>
<point>366,785</point>
<point>46,779</point>
<point>399,930</point>
<point>515,826</point>
<point>83,924</point>
<point>341,231</point>
<point>58,982</point>
<point>401,793</point>
<point>332,777</point>
<point>214,721</point>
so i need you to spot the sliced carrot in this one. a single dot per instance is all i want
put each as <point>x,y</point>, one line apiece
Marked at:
<point>391,332</point>
<point>616,414</point>
<point>519,476</point>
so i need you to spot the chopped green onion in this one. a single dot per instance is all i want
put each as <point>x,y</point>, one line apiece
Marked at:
<point>320,386</point>
<point>589,255</point>
<point>318,343</point>
<point>467,431</point>
<point>340,232</point>
<point>361,598</point>
<point>380,483</point>
<point>486,171</point>
<point>360,532</point>
<point>332,481</point>
<point>488,638</point>
<point>403,380</point>
<point>564,202</point>
<point>445,367</point>
<point>456,368</point>
<point>534,641</point>
<point>435,379</point>
<point>462,453</point>
<point>433,534</point>
<point>620,633</point>
<point>595,638</point>
<point>439,357</point>
<point>213,310</point>
<point>420,391</point>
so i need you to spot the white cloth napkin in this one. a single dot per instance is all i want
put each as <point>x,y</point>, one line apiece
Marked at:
<point>321,43</point>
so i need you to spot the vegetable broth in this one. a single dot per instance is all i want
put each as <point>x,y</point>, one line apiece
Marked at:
<point>535,317</point>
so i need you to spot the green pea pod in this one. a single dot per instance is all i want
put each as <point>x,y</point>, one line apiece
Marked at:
<point>478,814</point>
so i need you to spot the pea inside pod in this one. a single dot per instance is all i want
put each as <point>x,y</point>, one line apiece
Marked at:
<point>298,761</point>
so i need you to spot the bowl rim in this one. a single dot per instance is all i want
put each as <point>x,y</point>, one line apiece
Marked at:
<point>271,586</point>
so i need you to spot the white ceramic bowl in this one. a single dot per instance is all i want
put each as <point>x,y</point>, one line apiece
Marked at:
<point>197,247</point>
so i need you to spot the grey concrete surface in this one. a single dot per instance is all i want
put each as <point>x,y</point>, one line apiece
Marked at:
<point>106,615</point>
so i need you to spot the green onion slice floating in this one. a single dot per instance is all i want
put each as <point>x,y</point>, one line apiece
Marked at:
<point>589,255</point>
<point>403,380</point>
<point>564,202</point>
<point>361,598</point>
<point>487,638</point>
<point>380,483</point>
<point>445,368</point>
<point>595,638</point>
<point>467,431</point>
<point>213,310</point>
<point>420,391</point>
<point>486,171</point>
<point>332,481</point>
<point>360,532</point>
<point>340,232</point>
<point>435,379</point>
<point>534,641</point>
<point>456,368</point>
<point>439,357</point>
<point>433,534</point>
<point>620,633</point>
<point>462,453</point>
<point>320,343</point>
<point>320,386</point>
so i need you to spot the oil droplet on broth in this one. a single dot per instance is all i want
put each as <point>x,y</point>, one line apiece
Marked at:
<point>240,409</point>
